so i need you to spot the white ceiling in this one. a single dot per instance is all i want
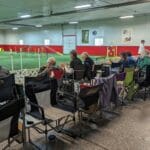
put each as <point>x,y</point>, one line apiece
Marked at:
<point>12,9</point>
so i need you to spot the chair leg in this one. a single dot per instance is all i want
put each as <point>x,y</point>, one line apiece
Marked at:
<point>46,133</point>
<point>145,92</point>
<point>30,141</point>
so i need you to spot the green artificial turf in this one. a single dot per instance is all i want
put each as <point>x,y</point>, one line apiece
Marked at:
<point>30,60</point>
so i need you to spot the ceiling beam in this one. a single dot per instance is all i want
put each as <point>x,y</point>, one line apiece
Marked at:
<point>77,11</point>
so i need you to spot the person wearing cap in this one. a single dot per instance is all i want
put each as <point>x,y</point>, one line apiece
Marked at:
<point>88,65</point>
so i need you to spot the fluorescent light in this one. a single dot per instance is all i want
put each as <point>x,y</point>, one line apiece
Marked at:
<point>82,6</point>
<point>73,22</point>
<point>15,28</point>
<point>38,25</point>
<point>126,17</point>
<point>25,16</point>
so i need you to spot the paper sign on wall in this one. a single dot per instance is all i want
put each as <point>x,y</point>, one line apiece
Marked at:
<point>127,35</point>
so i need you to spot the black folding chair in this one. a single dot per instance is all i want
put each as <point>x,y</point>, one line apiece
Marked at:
<point>143,79</point>
<point>79,72</point>
<point>96,69</point>
<point>10,108</point>
<point>50,117</point>
<point>7,89</point>
<point>88,104</point>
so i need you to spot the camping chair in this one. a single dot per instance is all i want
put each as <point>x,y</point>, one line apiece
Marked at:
<point>85,102</point>
<point>106,70</point>
<point>96,69</point>
<point>120,85</point>
<point>9,121</point>
<point>76,74</point>
<point>109,94</point>
<point>79,72</point>
<point>88,102</point>
<point>143,79</point>
<point>10,108</point>
<point>70,85</point>
<point>130,87</point>
<point>50,117</point>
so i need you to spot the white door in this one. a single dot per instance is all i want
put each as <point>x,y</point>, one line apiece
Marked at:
<point>69,43</point>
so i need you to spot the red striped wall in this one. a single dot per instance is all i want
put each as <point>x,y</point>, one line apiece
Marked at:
<point>102,50</point>
<point>92,50</point>
<point>33,48</point>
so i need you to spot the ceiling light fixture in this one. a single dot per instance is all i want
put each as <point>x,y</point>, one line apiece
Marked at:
<point>73,22</point>
<point>83,6</point>
<point>38,25</point>
<point>25,16</point>
<point>126,17</point>
<point>15,28</point>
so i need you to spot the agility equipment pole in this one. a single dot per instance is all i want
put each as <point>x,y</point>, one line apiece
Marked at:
<point>54,51</point>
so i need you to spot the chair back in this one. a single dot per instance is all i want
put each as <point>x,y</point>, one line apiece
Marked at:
<point>79,72</point>
<point>121,76</point>
<point>9,119</point>
<point>129,78</point>
<point>38,84</point>
<point>41,87</point>
<point>97,68</point>
<point>106,70</point>
<point>89,96</point>
<point>7,85</point>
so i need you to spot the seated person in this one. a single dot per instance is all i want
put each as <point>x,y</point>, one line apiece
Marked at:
<point>3,72</point>
<point>140,71</point>
<point>88,65</point>
<point>123,63</point>
<point>47,70</point>
<point>143,63</point>
<point>44,72</point>
<point>132,61</point>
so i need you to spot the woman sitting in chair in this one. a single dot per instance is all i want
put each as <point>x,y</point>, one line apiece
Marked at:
<point>54,73</point>
<point>88,65</point>
<point>143,62</point>
<point>124,62</point>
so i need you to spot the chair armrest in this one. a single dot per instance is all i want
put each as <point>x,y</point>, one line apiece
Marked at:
<point>40,108</point>
<point>68,94</point>
<point>142,68</point>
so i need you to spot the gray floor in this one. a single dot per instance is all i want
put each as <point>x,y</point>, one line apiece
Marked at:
<point>129,131</point>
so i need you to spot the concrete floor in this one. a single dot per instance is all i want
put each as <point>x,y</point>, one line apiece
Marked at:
<point>129,131</point>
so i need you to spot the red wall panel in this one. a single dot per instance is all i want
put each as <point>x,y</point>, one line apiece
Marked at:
<point>33,48</point>
<point>92,50</point>
<point>102,50</point>
<point>132,49</point>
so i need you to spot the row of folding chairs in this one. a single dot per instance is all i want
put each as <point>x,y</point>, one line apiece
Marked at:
<point>57,116</point>
<point>50,117</point>
<point>70,106</point>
